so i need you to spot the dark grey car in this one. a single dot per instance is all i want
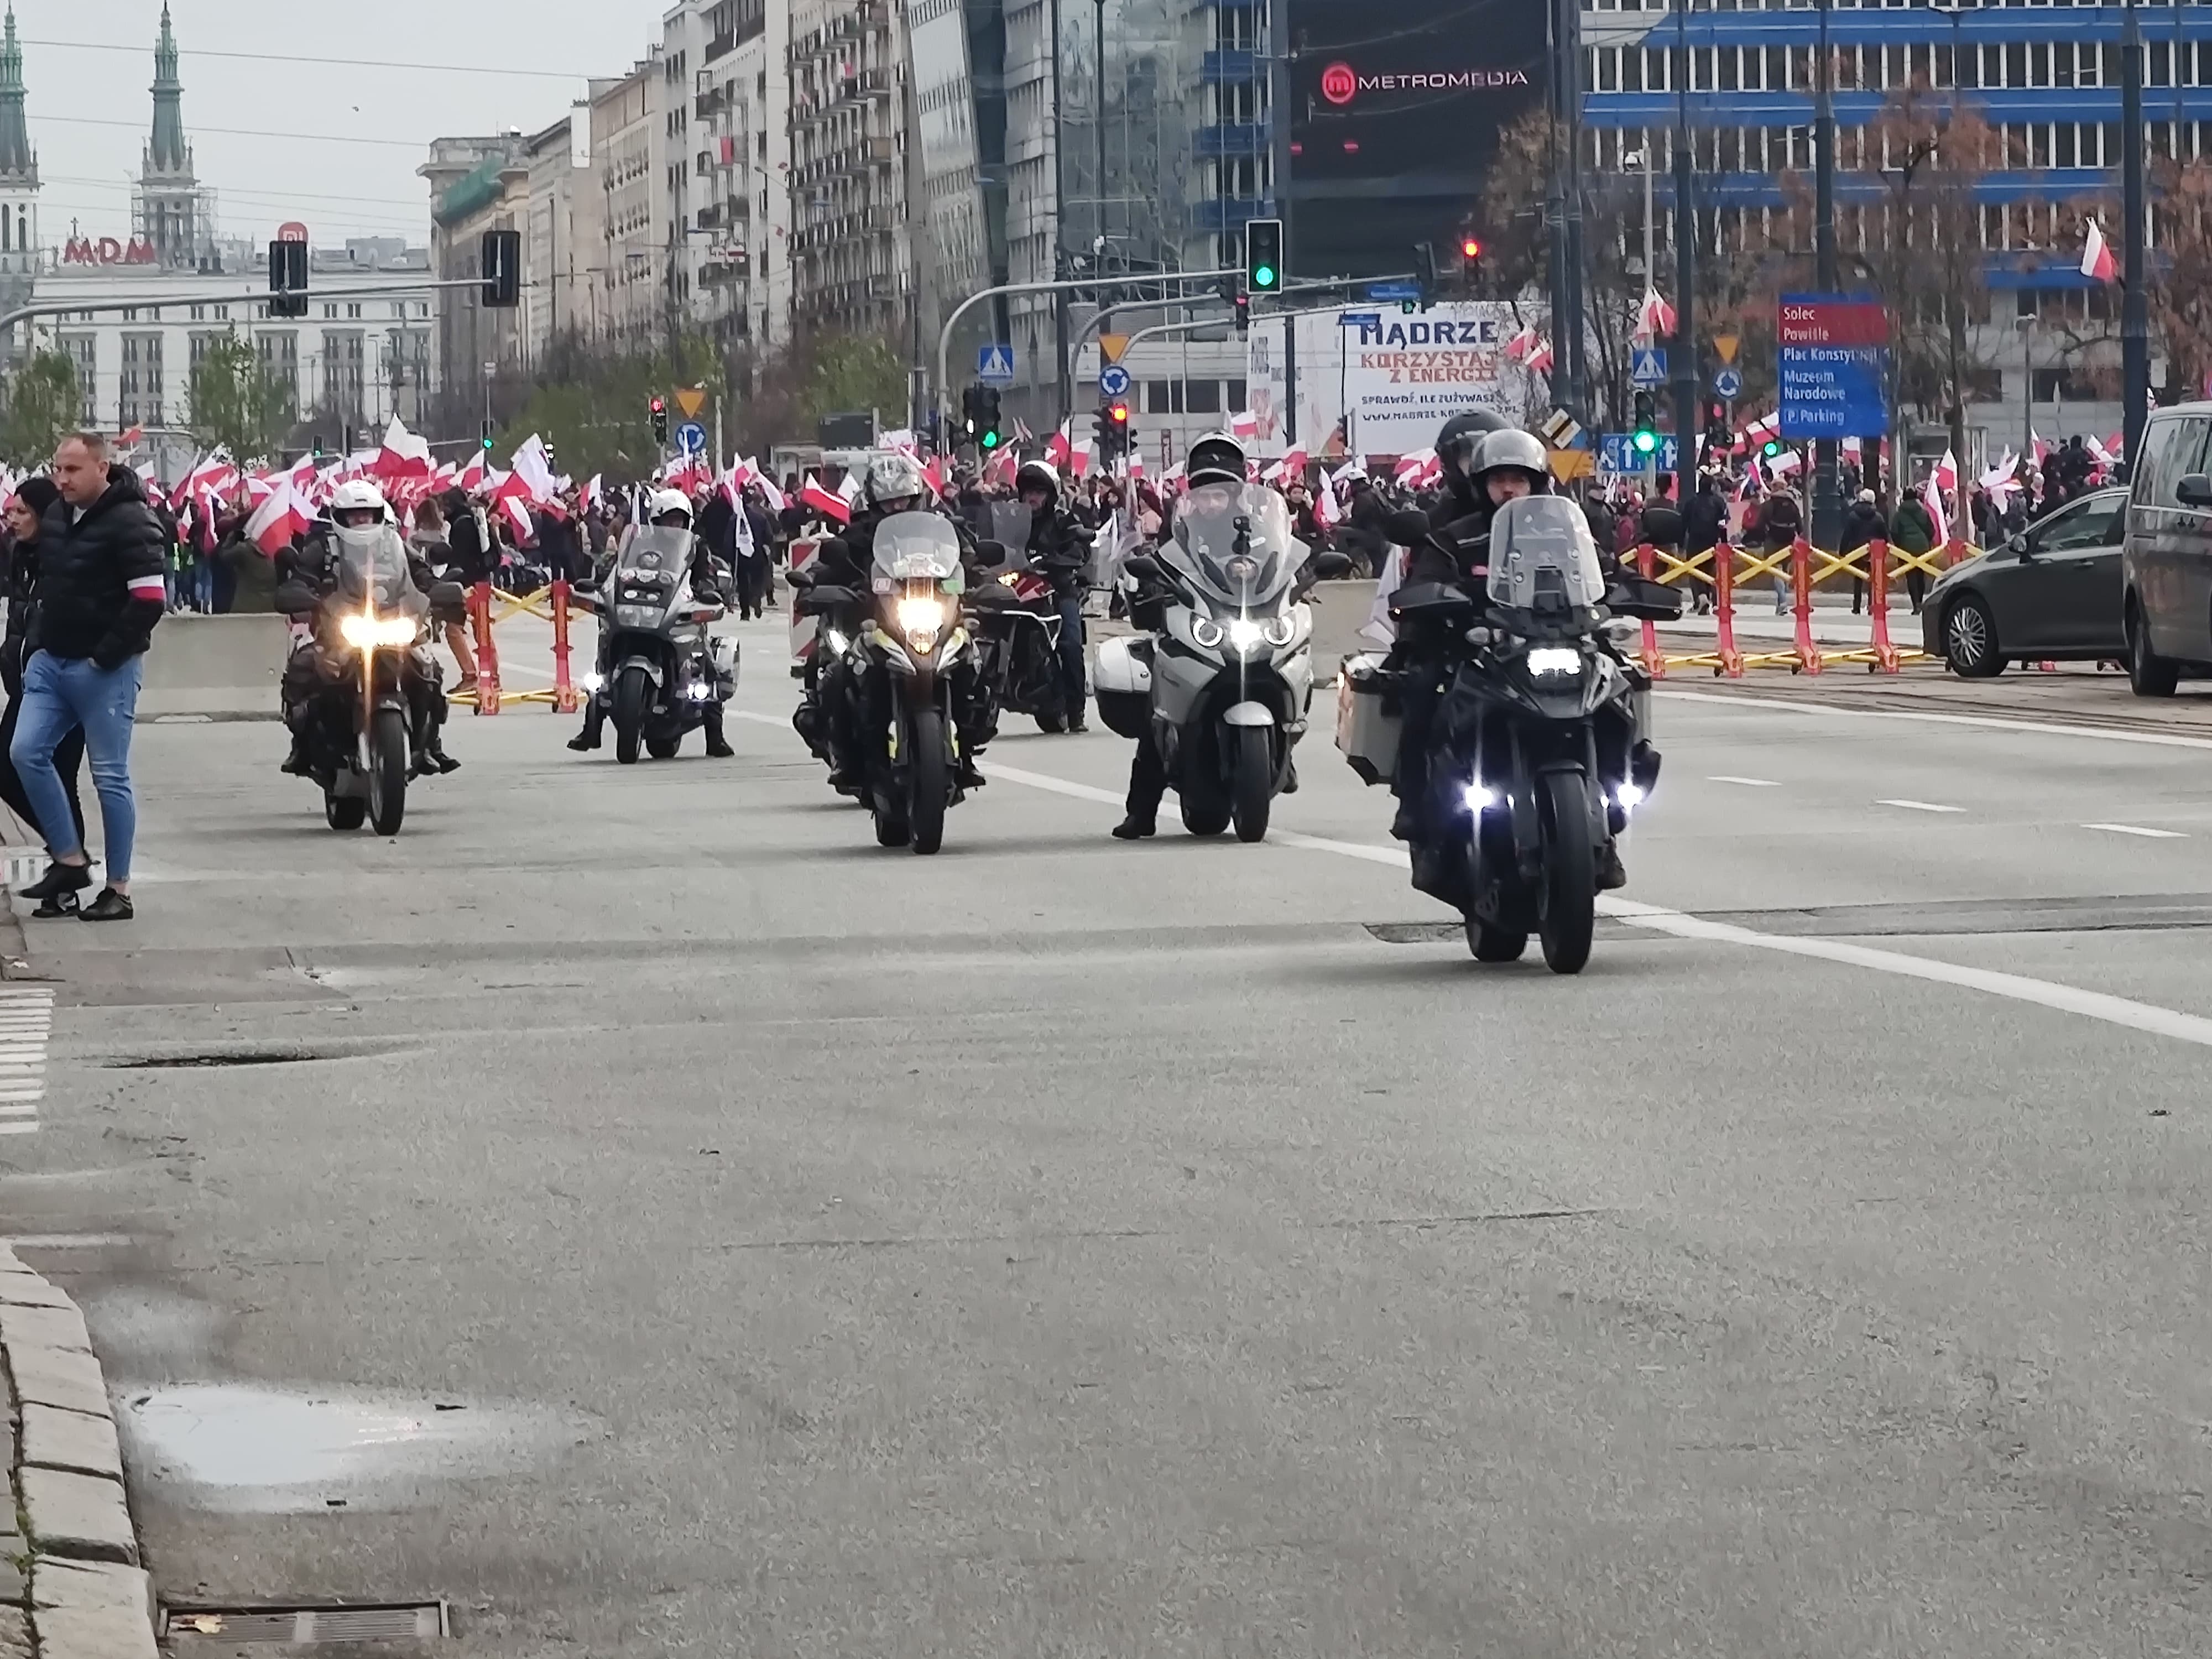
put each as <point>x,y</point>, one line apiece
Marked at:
<point>2052,592</point>
<point>2168,565</point>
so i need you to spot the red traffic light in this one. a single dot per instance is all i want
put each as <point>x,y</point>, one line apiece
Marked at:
<point>1118,413</point>
<point>658,406</point>
<point>1470,247</point>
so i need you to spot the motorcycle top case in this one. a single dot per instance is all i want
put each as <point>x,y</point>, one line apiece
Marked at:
<point>1122,677</point>
<point>1369,718</point>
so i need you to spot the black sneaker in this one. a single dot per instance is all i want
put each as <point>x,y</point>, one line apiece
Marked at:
<point>1133,828</point>
<point>1611,874</point>
<point>583,741</point>
<point>718,748</point>
<point>1079,724</point>
<point>61,904</point>
<point>110,906</point>
<point>445,763</point>
<point>59,879</point>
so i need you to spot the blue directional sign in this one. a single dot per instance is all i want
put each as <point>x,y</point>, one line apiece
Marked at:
<point>1727,384</point>
<point>1114,380</point>
<point>1616,452</point>
<point>1832,359</point>
<point>994,363</point>
<point>1393,291</point>
<point>1647,366</point>
<point>691,438</point>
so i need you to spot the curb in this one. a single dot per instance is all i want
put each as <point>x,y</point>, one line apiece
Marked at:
<point>68,1555</point>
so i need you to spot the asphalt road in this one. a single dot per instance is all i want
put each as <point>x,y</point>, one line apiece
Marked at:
<point>1059,1247</point>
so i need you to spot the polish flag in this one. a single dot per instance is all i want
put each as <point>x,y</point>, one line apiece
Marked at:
<point>1785,463</point>
<point>1058,448</point>
<point>1754,436</point>
<point>819,498</point>
<point>534,470</point>
<point>1410,467</point>
<point>2110,450</point>
<point>901,442</point>
<point>1136,465</point>
<point>1244,425</point>
<point>1324,505</point>
<point>2097,256</point>
<point>1540,358</point>
<point>1290,470</point>
<point>1947,471</point>
<point>770,493</point>
<point>402,455</point>
<point>470,477</point>
<point>2041,447</point>
<point>592,494</point>
<point>1931,496</point>
<point>1079,459</point>
<point>1522,344</point>
<point>1655,317</point>
<point>933,475</point>
<point>280,518</point>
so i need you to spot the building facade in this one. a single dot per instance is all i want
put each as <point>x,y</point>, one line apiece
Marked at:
<point>852,246</point>
<point>629,145</point>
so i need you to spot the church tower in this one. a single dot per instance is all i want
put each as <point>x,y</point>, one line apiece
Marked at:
<point>19,177</point>
<point>171,211</point>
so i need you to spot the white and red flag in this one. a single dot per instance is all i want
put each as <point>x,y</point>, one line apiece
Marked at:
<point>1655,317</point>
<point>2097,256</point>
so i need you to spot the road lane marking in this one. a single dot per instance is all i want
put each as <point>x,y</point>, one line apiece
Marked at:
<point>2137,830</point>
<point>27,1014</point>
<point>1748,783</point>
<point>1920,806</point>
<point>1986,722</point>
<point>2018,988</point>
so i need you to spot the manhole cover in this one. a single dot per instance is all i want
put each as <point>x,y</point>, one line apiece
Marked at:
<point>374,1621</point>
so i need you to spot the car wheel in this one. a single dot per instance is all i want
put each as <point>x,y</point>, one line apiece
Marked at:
<point>1970,639</point>
<point>2149,675</point>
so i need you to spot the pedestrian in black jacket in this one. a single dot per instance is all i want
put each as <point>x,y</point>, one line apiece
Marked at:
<point>32,499</point>
<point>101,589</point>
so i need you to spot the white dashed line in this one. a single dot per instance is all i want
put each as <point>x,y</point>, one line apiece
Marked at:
<point>2137,830</point>
<point>1920,806</point>
<point>27,1014</point>
<point>1748,783</point>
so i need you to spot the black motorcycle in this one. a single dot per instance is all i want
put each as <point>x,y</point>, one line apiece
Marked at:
<point>372,719</point>
<point>1018,639</point>
<point>663,670</point>
<point>1534,761</point>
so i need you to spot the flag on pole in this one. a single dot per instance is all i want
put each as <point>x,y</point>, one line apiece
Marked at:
<point>1655,317</point>
<point>2097,256</point>
<point>1539,361</point>
<point>819,497</point>
<point>280,518</point>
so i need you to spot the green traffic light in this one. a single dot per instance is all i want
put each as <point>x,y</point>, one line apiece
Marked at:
<point>1263,275</point>
<point>990,441</point>
<point>1646,442</point>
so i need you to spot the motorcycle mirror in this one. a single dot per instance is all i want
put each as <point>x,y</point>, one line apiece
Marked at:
<point>448,596</point>
<point>1332,566</point>
<point>1407,526</point>
<point>991,553</point>
<point>294,598</point>
<point>1141,564</point>
<point>1649,601</point>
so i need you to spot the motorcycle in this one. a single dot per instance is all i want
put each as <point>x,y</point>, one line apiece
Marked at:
<point>1018,639</point>
<point>371,721</point>
<point>900,668</point>
<point>1536,756</point>
<point>1223,683</point>
<point>663,670</point>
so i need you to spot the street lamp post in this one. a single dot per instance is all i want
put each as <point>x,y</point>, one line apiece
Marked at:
<point>1828,508</point>
<point>1651,281</point>
<point>1686,424</point>
<point>2026,327</point>
<point>2135,329</point>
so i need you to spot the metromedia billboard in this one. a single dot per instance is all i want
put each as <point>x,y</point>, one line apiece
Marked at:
<point>1396,106</point>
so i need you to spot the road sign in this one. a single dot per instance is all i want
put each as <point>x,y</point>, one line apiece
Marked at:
<point>1727,384</point>
<point>1568,465</point>
<point>1724,345</point>
<point>1616,452</point>
<point>1394,291</point>
<point>690,399</point>
<point>691,438</point>
<point>1563,431</point>
<point>1114,380</point>
<point>1647,366</point>
<point>1111,346</point>
<point>994,364</point>
<point>1832,359</point>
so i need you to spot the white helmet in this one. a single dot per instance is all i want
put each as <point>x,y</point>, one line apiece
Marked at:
<point>894,476</point>
<point>359,495</point>
<point>665,501</point>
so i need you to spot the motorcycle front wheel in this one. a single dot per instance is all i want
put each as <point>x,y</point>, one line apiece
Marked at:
<point>345,812</point>
<point>664,748</point>
<point>1567,916</point>
<point>387,771</point>
<point>633,696</point>
<point>1251,781</point>
<point>928,783</point>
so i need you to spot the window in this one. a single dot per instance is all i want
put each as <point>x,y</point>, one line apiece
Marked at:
<point>1158,397</point>
<point>2086,524</point>
<point>1202,398</point>
<point>1236,396</point>
<point>353,309</point>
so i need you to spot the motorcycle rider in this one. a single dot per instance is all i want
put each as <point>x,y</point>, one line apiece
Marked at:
<point>893,484</point>
<point>1457,446</point>
<point>355,504</point>
<point>670,509</point>
<point>1060,547</point>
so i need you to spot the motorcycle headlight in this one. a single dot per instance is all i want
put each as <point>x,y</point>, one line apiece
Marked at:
<point>1245,635</point>
<point>839,645</point>
<point>365,632</point>
<point>1555,660</point>
<point>1630,795</point>
<point>1282,630</point>
<point>1205,631</point>
<point>594,680</point>
<point>920,618</point>
<point>698,691</point>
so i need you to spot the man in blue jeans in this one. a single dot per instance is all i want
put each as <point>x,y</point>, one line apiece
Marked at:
<point>101,592</point>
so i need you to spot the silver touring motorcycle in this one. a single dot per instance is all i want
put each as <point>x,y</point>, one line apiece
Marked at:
<point>1223,685</point>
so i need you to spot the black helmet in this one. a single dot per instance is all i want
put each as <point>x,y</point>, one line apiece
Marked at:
<point>1037,475</point>
<point>1522,451</point>
<point>1462,434</point>
<point>1216,458</point>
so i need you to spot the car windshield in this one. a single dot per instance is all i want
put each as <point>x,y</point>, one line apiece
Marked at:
<point>1234,542</point>
<point>912,547</point>
<point>372,566</point>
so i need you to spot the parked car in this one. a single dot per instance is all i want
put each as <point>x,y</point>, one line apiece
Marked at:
<point>2050,593</point>
<point>2168,563</point>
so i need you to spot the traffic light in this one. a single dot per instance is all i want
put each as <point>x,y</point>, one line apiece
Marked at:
<point>503,269</point>
<point>1770,448</point>
<point>1263,256</point>
<point>659,408</point>
<point>487,437</point>
<point>1113,428</point>
<point>988,433</point>
<point>288,279</point>
<point>970,397</point>
<point>1242,303</point>
<point>1645,436</point>
<point>1425,275</point>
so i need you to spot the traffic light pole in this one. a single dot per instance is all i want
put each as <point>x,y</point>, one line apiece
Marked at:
<point>256,296</point>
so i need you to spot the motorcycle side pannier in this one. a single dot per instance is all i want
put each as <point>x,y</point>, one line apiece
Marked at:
<point>1122,679</point>
<point>1368,718</point>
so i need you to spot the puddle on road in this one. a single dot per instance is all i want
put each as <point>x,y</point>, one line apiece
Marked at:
<point>244,1448</point>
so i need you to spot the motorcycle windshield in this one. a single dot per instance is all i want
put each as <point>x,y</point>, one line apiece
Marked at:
<point>918,547</point>
<point>1010,523</point>
<point>372,568</point>
<point>1234,542</point>
<point>1543,559</point>
<point>658,551</point>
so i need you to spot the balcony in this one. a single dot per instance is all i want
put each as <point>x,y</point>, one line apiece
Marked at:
<point>868,85</point>
<point>1234,138</point>
<point>882,151</point>
<point>1228,66</point>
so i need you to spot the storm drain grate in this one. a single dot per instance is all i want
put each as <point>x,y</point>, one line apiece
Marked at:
<point>380,1621</point>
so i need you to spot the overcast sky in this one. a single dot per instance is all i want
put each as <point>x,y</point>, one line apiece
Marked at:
<point>353,135</point>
